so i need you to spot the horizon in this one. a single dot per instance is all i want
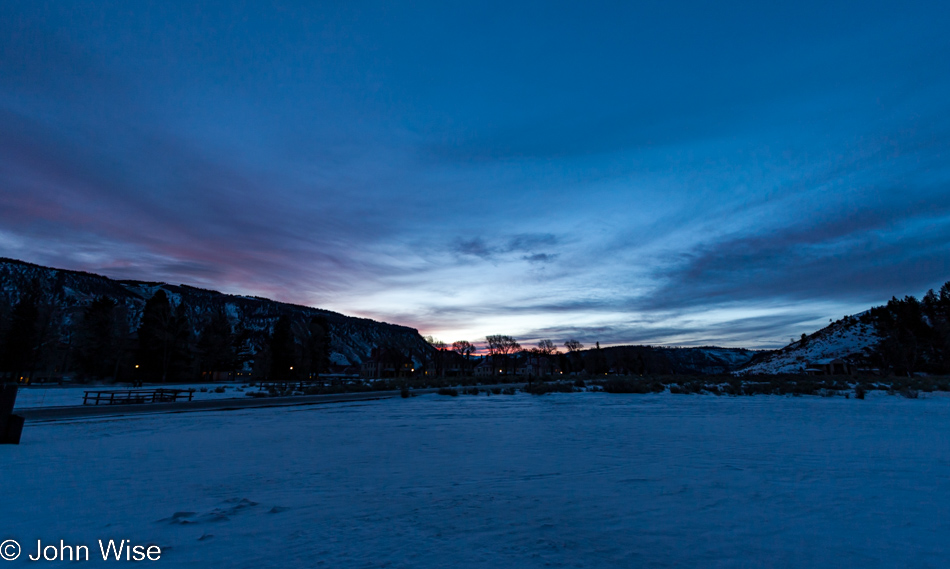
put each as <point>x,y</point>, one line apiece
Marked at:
<point>730,175</point>
<point>480,344</point>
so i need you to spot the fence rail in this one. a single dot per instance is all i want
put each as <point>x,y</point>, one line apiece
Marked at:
<point>135,396</point>
<point>299,385</point>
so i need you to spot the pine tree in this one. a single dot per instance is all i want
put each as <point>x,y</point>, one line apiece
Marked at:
<point>155,339</point>
<point>182,355</point>
<point>20,346</point>
<point>318,345</point>
<point>98,339</point>
<point>283,350</point>
<point>164,337</point>
<point>595,363</point>
<point>217,344</point>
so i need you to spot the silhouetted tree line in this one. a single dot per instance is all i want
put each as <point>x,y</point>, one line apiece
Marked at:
<point>506,357</point>
<point>297,349</point>
<point>104,340</point>
<point>170,343</point>
<point>915,334</point>
<point>27,335</point>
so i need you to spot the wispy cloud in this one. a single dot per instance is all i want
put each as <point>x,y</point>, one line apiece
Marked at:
<point>591,175</point>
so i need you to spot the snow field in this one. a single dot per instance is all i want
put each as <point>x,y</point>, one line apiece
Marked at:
<point>563,480</point>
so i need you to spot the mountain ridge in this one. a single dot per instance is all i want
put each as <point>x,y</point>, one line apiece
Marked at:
<point>66,292</point>
<point>904,336</point>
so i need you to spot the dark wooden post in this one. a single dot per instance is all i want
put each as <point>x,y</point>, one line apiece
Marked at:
<point>11,426</point>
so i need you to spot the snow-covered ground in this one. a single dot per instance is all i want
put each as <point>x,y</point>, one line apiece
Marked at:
<point>564,480</point>
<point>55,396</point>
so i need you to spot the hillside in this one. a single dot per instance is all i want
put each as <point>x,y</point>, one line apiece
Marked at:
<point>851,339</point>
<point>64,295</point>
<point>906,336</point>
<point>637,360</point>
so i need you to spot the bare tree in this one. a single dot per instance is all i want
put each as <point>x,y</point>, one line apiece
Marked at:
<point>493,343</point>
<point>439,357</point>
<point>502,347</point>
<point>465,349</point>
<point>573,345</point>
<point>574,357</point>
<point>545,349</point>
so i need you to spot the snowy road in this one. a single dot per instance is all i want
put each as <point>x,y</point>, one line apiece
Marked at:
<point>564,480</point>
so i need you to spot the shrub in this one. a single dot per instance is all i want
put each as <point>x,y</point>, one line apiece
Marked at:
<point>448,391</point>
<point>632,385</point>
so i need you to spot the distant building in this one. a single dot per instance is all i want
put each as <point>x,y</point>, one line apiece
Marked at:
<point>387,363</point>
<point>369,369</point>
<point>484,368</point>
<point>218,375</point>
<point>536,365</point>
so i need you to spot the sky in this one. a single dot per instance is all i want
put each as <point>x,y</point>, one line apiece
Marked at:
<point>694,173</point>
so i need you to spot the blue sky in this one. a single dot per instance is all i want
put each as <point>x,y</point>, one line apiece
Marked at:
<point>700,173</point>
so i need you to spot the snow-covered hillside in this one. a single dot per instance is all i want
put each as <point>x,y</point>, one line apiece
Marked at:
<point>848,339</point>
<point>65,293</point>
